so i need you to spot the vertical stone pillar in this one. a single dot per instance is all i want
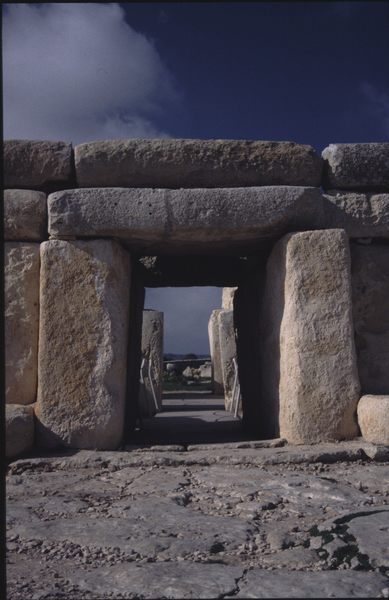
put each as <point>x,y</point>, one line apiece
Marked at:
<point>21,275</point>
<point>152,350</point>
<point>227,353</point>
<point>214,345</point>
<point>309,368</point>
<point>83,338</point>
<point>228,298</point>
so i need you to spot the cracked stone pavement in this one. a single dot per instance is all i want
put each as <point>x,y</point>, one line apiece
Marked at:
<point>228,520</point>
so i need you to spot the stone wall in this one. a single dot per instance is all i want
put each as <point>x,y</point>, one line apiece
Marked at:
<point>96,208</point>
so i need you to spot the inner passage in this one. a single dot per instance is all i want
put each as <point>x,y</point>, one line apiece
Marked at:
<point>189,384</point>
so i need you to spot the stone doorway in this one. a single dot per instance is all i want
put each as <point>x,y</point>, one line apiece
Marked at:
<point>175,271</point>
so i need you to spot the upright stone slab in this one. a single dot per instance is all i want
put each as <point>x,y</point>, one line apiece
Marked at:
<point>370,281</point>
<point>37,164</point>
<point>21,273</point>
<point>195,163</point>
<point>228,298</point>
<point>308,358</point>
<point>214,345</point>
<point>83,344</point>
<point>25,215</point>
<point>357,166</point>
<point>227,353</point>
<point>152,351</point>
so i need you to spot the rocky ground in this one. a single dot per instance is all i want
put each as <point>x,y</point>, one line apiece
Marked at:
<point>232,520</point>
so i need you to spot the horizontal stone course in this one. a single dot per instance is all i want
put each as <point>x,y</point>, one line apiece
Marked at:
<point>200,216</point>
<point>356,166</point>
<point>175,163</point>
<point>25,215</point>
<point>359,214</point>
<point>37,164</point>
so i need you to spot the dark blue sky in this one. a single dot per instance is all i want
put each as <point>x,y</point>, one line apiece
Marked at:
<point>312,72</point>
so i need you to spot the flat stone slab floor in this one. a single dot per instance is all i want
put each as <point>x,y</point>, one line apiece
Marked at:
<point>188,418</point>
<point>228,520</point>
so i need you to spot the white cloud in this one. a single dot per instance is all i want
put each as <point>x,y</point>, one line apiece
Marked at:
<point>379,103</point>
<point>186,315</point>
<point>79,72</point>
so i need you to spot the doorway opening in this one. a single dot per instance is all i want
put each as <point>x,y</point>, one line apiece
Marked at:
<point>182,397</point>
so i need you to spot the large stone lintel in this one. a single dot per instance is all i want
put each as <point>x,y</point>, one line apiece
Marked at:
<point>82,344</point>
<point>161,218</point>
<point>195,163</point>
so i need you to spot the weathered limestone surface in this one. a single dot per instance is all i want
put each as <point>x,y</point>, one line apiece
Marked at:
<point>214,345</point>
<point>82,343</point>
<point>19,429</point>
<point>21,275</point>
<point>308,356</point>
<point>373,418</point>
<point>196,163</point>
<point>360,215</point>
<point>370,281</point>
<point>227,353</point>
<point>152,350</point>
<point>160,216</point>
<point>357,166</point>
<point>25,215</point>
<point>34,164</point>
<point>228,298</point>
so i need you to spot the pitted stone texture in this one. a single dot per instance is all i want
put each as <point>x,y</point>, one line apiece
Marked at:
<point>227,353</point>
<point>196,163</point>
<point>159,217</point>
<point>373,418</point>
<point>21,270</point>
<point>360,215</point>
<point>25,215</point>
<point>228,298</point>
<point>19,429</point>
<point>357,166</point>
<point>326,584</point>
<point>82,343</point>
<point>214,345</point>
<point>370,280</point>
<point>152,350</point>
<point>35,164</point>
<point>308,356</point>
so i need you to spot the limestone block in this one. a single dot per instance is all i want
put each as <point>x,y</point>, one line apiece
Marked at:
<point>82,344</point>
<point>214,345</point>
<point>159,218</point>
<point>309,373</point>
<point>373,418</point>
<point>35,164</point>
<point>370,281</point>
<point>357,166</point>
<point>21,276</point>
<point>25,215</point>
<point>152,350</point>
<point>360,215</point>
<point>227,353</point>
<point>19,429</point>
<point>195,163</point>
<point>228,298</point>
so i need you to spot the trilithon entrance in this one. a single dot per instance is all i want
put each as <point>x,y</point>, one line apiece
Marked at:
<point>88,230</point>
